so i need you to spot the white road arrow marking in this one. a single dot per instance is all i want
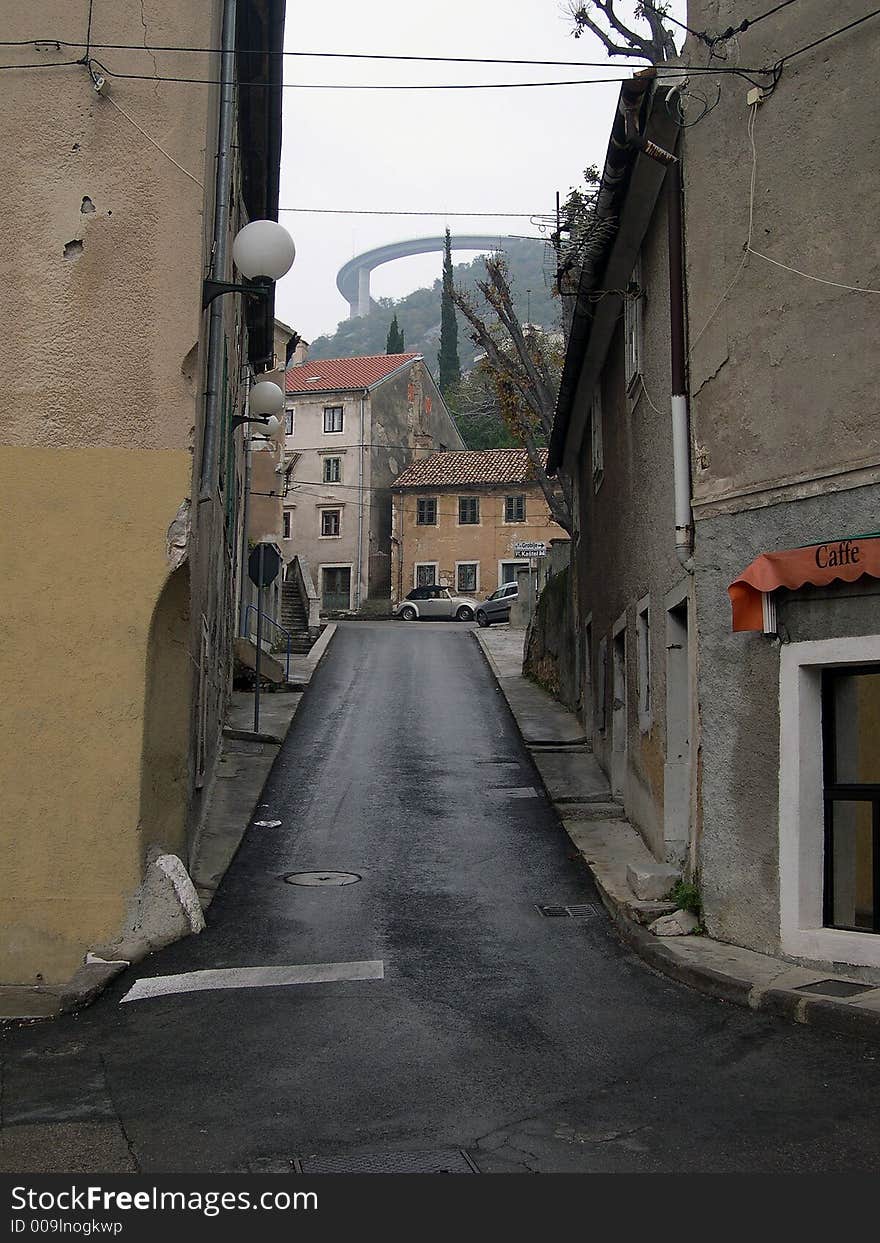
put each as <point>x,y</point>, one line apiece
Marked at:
<point>253,977</point>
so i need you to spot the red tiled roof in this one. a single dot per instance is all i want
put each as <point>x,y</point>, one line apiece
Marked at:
<point>331,374</point>
<point>475,467</point>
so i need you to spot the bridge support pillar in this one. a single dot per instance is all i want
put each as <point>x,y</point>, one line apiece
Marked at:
<point>363,303</point>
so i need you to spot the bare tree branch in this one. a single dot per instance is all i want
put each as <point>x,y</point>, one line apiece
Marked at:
<point>519,364</point>
<point>621,39</point>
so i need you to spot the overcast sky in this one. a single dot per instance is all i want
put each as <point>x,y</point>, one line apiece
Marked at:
<point>437,151</point>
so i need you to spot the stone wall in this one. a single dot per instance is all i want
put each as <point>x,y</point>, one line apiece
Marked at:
<point>550,655</point>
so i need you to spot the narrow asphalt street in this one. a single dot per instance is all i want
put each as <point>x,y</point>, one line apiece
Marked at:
<point>532,1043</point>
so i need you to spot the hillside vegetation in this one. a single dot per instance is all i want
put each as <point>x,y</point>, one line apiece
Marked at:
<point>418,314</point>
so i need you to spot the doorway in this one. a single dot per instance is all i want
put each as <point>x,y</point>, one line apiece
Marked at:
<point>851,768</point>
<point>676,774</point>
<point>618,708</point>
<point>335,588</point>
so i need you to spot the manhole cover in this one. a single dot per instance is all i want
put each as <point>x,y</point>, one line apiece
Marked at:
<point>447,1161</point>
<point>835,988</point>
<point>321,878</point>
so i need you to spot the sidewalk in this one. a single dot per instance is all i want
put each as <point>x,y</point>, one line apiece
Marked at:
<point>613,850</point>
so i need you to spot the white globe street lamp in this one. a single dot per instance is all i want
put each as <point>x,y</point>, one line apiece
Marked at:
<point>263,250</point>
<point>266,398</point>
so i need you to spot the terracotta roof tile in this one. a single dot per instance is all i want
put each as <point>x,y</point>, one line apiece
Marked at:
<point>475,467</point>
<point>327,375</point>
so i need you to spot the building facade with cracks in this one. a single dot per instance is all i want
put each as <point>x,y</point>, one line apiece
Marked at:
<point>118,455</point>
<point>727,547</point>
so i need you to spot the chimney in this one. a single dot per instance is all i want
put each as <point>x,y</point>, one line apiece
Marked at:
<point>423,446</point>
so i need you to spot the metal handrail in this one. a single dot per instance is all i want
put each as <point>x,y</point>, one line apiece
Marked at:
<point>253,607</point>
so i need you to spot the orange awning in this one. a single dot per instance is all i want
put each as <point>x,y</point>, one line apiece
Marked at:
<point>817,564</point>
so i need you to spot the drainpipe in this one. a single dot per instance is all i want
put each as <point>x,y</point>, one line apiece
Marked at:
<point>681,457</point>
<point>243,593</point>
<point>219,252</point>
<point>360,547</point>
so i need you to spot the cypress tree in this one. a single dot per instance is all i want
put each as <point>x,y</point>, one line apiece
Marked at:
<point>394,343</point>
<point>448,364</point>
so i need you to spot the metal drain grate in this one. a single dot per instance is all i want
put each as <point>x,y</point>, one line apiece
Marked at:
<point>447,1161</point>
<point>583,910</point>
<point>835,988</point>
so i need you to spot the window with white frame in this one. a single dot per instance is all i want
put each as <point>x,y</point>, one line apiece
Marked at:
<point>468,511</point>
<point>426,574</point>
<point>466,573</point>
<point>515,508</point>
<point>596,438</point>
<point>643,641</point>
<point>426,511</point>
<point>331,523</point>
<point>288,420</point>
<point>633,328</point>
<point>285,524</point>
<point>332,472</point>
<point>333,418</point>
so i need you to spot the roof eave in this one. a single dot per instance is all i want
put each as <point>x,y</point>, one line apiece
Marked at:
<point>631,182</point>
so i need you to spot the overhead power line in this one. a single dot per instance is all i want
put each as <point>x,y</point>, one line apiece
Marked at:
<point>824,39</point>
<point>748,22</point>
<point>362,211</point>
<point>384,56</point>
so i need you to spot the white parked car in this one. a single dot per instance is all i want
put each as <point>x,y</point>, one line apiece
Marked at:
<point>435,603</point>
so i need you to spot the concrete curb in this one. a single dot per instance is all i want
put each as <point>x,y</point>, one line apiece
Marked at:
<point>729,973</point>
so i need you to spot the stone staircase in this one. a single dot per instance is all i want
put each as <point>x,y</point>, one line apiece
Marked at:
<point>295,618</point>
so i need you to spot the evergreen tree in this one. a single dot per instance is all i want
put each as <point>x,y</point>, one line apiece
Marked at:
<point>448,364</point>
<point>394,343</point>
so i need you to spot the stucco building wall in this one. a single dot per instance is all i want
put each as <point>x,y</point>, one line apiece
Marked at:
<point>785,445</point>
<point>626,552</point>
<point>119,598</point>
<point>381,429</point>
<point>489,542</point>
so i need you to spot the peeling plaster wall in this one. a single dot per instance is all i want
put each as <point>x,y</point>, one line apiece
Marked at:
<point>102,374</point>
<point>781,394</point>
<point>784,407</point>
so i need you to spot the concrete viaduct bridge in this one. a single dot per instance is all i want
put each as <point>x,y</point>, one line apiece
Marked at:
<point>353,278</point>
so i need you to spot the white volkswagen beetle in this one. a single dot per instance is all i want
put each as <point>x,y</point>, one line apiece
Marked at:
<point>435,603</point>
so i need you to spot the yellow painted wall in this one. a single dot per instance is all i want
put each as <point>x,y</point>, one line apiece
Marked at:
<point>489,542</point>
<point>84,559</point>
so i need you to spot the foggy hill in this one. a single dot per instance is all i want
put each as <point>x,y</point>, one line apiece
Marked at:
<point>418,314</point>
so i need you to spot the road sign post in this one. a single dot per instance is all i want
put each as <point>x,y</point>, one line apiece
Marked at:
<point>263,566</point>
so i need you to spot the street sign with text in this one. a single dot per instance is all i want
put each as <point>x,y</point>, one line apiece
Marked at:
<point>530,548</point>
